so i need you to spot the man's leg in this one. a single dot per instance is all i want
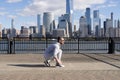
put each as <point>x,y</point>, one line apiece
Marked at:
<point>59,55</point>
<point>47,61</point>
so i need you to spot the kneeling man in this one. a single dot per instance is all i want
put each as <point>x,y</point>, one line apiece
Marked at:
<point>54,52</point>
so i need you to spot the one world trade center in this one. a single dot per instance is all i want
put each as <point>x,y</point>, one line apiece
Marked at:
<point>69,10</point>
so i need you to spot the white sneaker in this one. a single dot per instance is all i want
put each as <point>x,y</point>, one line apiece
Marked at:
<point>47,64</point>
<point>60,66</point>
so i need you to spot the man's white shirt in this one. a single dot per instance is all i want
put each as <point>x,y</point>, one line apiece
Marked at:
<point>52,50</point>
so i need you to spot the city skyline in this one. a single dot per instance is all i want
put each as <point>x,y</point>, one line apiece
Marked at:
<point>25,12</point>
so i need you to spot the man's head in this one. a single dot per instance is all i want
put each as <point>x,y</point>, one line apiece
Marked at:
<point>61,40</point>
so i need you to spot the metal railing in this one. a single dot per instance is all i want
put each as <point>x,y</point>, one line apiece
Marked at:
<point>4,45</point>
<point>72,45</point>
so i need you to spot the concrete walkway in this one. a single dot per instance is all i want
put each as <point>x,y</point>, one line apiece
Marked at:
<point>77,67</point>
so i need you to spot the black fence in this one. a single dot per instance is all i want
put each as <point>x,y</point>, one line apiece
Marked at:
<point>4,45</point>
<point>72,45</point>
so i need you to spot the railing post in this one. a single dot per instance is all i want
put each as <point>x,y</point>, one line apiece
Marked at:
<point>8,51</point>
<point>11,46</point>
<point>78,45</point>
<point>46,42</point>
<point>111,46</point>
<point>14,45</point>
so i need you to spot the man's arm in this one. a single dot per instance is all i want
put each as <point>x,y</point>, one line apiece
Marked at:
<point>57,60</point>
<point>56,49</point>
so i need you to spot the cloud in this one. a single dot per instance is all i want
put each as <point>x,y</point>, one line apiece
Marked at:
<point>110,4</point>
<point>103,17</point>
<point>56,6</point>
<point>82,4</point>
<point>3,13</point>
<point>40,6</point>
<point>1,8</point>
<point>27,24</point>
<point>12,16</point>
<point>13,1</point>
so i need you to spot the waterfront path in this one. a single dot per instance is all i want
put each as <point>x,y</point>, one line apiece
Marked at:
<point>77,67</point>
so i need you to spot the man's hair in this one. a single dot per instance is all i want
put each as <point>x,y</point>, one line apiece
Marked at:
<point>58,39</point>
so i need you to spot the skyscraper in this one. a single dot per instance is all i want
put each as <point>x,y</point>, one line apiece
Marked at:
<point>88,18</point>
<point>111,15</point>
<point>67,17</point>
<point>109,28</point>
<point>69,10</point>
<point>0,30</point>
<point>63,24</point>
<point>83,30</point>
<point>115,23</point>
<point>12,23</point>
<point>13,30</point>
<point>112,18</point>
<point>118,24</point>
<point>104,27</point>
<point>48,22</point>
<point>38,22</point>
<point>96,23</point>
<point>69,7</point>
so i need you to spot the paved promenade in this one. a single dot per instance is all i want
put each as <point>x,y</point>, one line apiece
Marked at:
<point>77,67</point>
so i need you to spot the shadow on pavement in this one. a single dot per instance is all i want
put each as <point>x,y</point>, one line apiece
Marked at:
<point>29,65</point>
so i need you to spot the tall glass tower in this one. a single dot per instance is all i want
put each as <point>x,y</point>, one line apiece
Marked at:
<point>96,23</point>
<point>48,21</point>
<point>88,18</point>
<point>69,10</point>
<point>69,7</point>
<point>38,22</point>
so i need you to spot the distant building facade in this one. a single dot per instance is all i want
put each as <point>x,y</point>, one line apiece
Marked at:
<point>0,30</point>
<point>67,19</point>
<point>42,31</point>
<point>83,29</point>
<point>33,31</point>
<point>24,32</point>
<point>59,32</point>
<point>109,30</point>
<point>63,24</point>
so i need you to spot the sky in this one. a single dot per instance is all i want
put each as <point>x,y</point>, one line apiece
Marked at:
<point>24,12</point>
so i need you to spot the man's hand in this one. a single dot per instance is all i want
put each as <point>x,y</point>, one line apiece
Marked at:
<point>58,61</point>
